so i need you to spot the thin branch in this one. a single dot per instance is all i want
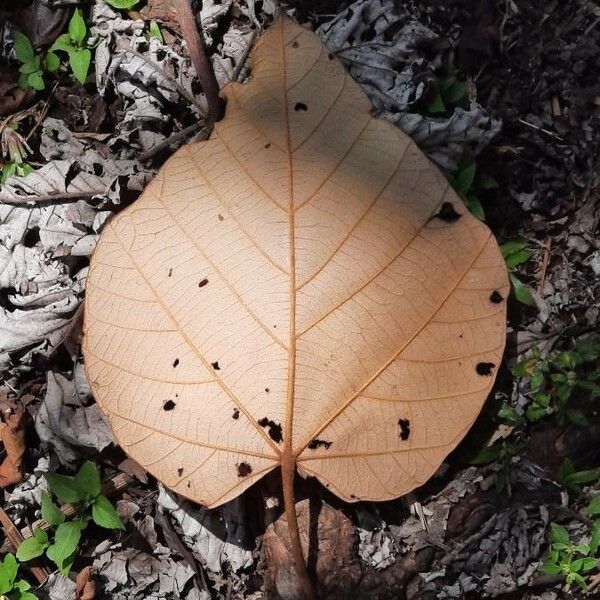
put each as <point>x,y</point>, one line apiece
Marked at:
<point>203,66</point>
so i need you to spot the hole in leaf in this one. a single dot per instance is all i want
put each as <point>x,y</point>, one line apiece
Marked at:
<point>404,425</point>
<point>496,297</point>
<point>448,213</point>
<point>215,365</point>
<point>243,469</point>
<point>175,362</point>
<point>484,368</point>
<point>295,44</point>
<point>274,429</point>
<point>169,405</point>
<point>180,471</point>
<point>170,273</point>
<point>203,283</point>
<point>236,414</point>
<point>316,443</point>
<point>300,106</point>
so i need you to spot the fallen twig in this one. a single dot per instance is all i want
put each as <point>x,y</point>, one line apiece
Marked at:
<point>203,66</point>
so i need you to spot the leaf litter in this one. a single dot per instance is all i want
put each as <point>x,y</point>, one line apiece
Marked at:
<point>462,539</point>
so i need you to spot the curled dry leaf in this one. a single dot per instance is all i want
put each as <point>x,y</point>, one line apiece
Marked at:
<point>86,586</point>
<point>302,290</point>
<point>12,434</point>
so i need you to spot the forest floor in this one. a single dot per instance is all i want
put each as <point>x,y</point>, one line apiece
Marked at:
<point>504,95</point>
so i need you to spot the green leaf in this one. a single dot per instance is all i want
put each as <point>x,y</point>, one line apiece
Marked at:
<point>465,177</point>
<point>31,66</point>
<point>36,80</point>
<point>62,42</point>
<point>52,62</point>
<point>534,413</point>
<point>550,568</point>
<point>474,206</point>
<point>558,534</point>
<point>25,596</point>
<point>579,477</point>
<point>509,413</point>
<point>65,543</point>
<point>23,48</point>
<point>594,542</point>
<point>122,4</point>
<point>488,454</point>
<point>64,488</point>
<point>515,253</point>
<point>77,28</point>
<point>33,547</point>
<point>576,578</point>
<point>487,182</point>
<point>105,515</point>
<point>455,92</point>
<point>435,105</point>
<point>154,31</point>
<point>577,416</point>
<point>8,573</point>
<point>522,291</point>
<point>50,512</point>
<point>88,479</point>
<point>79,61</point>
<point>593,507</point>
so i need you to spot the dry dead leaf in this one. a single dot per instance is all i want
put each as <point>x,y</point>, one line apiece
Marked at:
<point>12,435</point>
<point>86,586</point>
<point>302,290</point>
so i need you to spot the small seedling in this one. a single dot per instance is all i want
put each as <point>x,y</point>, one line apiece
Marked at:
<point>446,94</point>
<point>154,32</point>
<point>502,453</point>
<point>74,45</point>
<point>32,65</point>
<point>84,491</point>
<point>516,253</point>
<point>573,480</point>
<point>568,559</point>
<point>468,183</point>
<point>553,380</point>
<point>12,588</point>
<point>122,4</point>
<point>15,149</point>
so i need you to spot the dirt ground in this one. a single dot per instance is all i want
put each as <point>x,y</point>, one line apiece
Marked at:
<point>519,87</point>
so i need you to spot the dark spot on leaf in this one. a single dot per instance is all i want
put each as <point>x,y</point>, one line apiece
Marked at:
<point>268,145</point>
<point>221,217</point>
<point>236,413</point>
<point>352,496</point>
<point>274,429</point>
<point>300,106</point>
<point>448,213</point>
<point>404,425</point>
<point>170,273</point>
<point>267,390</point>
<point>316,443</point>
<point>72,172</point>
<point>189,483</point>
<point>496,297</point>
<point>243,469</point>
<point>169,405</point>
<point>215,365</point>
<point>484,368</point>
<point>330,56</point>
<point>203,282</point>
<point>180,471</point>
<point>295,44</point>
<point>175,362</point>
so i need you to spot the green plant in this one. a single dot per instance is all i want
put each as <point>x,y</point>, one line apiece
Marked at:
<point>553,380</point>
<point>122,4</point>
<point>85,492</point>
<point>73,44</point>
<point>568,559</point>
<point>12,588</point>
<point>502,453</point>
<point>154,31</point>
<point>468,183</point>
<point>32,65</point>
<point>516,253</point>
<point>572,480</point>
<point>446,93</point>
<point>15,149</point>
